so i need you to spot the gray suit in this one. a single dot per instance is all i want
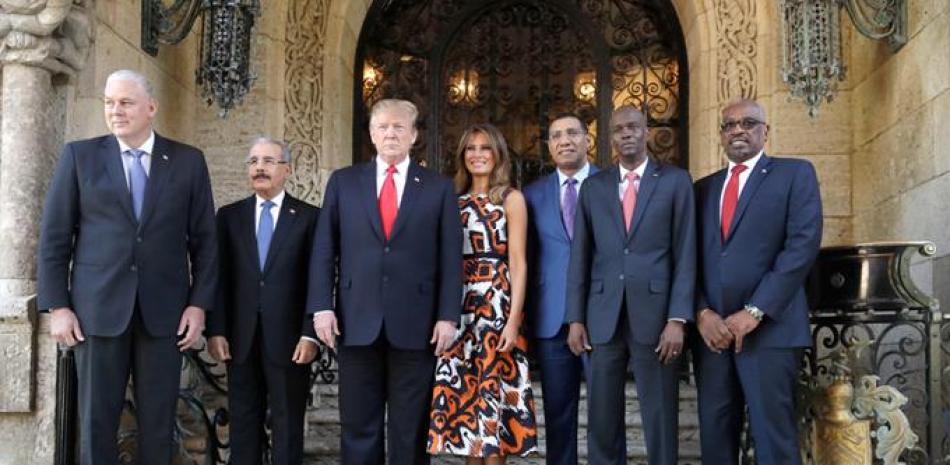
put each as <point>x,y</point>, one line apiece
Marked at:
<point>625,286</point>
<point>128,281</point>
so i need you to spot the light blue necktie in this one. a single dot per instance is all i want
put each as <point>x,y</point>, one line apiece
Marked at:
<point>137,181</point>
<point>265,230</point>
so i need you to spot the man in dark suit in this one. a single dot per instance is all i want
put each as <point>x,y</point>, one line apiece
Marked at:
<point>127,267</point>
<point>760,231</point>
<point>386,274</point>
<point>630,285</point>
<point>552,205</point>
<point>260,323</point>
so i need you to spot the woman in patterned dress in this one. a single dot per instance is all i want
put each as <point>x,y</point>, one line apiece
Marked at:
<point>482,405</point>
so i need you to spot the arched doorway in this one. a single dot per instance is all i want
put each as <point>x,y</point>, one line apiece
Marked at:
<point>517,63</point>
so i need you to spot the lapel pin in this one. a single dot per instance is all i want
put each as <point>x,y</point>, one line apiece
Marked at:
<point>416,179</point>
<point>164,157</point>
<point>292,211</point>
<point>764,171</point>
<point>656,175</point>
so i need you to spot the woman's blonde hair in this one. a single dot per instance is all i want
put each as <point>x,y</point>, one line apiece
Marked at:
<point>499,181</point>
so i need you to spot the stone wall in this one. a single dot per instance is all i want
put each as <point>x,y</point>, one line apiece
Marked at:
<point>901,124</point>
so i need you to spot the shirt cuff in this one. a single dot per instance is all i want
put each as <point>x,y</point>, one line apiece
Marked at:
<point>681,320</point>
<point>305,338</point>
<point>318,312</point>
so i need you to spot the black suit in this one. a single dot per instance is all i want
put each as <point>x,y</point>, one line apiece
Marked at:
<point>261,312</point>
<point>387,298</point>
<point>128,281</point>
<point>625,286</point>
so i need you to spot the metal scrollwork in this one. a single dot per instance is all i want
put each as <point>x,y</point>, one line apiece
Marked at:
<point>880,19</point>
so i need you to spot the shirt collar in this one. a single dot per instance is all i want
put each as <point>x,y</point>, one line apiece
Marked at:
<point>580,175</point>
<point>750,163</point>
<point>146,147</point>
<point>639,169</point>
<point>401,167</point>
<point>277,200</point>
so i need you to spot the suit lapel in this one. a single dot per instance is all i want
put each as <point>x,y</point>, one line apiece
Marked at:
<point>612,187</point>
<point>285,222</point>
<point>553,192</point>
<point>157,176</point>
<point>758,174</point>
<point>409,196</point>
<point>247,230</point>
<point>113,162</point>
<point>651,177</point>
<point>712,207</point>
<point>368,194</point>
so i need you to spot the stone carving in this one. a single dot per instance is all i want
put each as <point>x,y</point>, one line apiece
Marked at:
<point>53,34</point>
<point>737,36</point>
<point>303,126</point>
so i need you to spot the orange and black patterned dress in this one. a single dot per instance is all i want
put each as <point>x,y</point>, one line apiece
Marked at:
<point>482,404</point>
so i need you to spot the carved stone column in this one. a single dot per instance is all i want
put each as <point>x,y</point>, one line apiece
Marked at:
<point>38,40</point>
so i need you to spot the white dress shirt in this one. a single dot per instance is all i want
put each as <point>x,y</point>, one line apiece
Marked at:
<point>274,210</point>
<point>399,177</point>
<point>743,177</point>
<point>127,158</point>
<point>580,176</point>
<point>623,176</point>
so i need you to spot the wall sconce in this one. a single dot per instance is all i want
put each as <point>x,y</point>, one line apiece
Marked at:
<point>811,36</point>
<point>463,87</point>
<point>224,67</point>
<point>585,86</point>
<point>372,78</point>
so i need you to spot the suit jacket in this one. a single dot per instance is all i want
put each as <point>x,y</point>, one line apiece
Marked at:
<point>277,295</point>
<point>404,284</point>
<point>653,267</point>
<point>773,241</point>
<point>549,252</point>
<point>96,258</point>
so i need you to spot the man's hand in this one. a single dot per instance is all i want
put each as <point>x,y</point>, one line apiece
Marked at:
<point>64,326</point>
<point>443,334</point>
<point>714,331</point>
<point>324,324</point>
<point>305,352</point>
<point>509,337</point>
<point>671,342</point>
<point>741,324</point>
<point>219,349</point>
<point>577,338</point>
<point>191,325</point>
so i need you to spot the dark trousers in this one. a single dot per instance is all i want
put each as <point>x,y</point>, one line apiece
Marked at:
<point>657,389</point>
<point>103,365</point>
<point>376,380</point>
<point>763,379</point>
<point>561,381</point>
<point>256,385</point>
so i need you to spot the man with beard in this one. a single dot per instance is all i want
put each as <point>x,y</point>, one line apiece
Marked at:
<point>760,231</point>
<point>630,290</point>
<point>260,324</point>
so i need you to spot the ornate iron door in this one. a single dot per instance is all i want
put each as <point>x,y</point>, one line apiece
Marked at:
<point>516,64</point>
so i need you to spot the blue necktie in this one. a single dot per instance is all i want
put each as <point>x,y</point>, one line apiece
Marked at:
<point>137,181</point>
<point>569,206</point>
<point>265,230</point>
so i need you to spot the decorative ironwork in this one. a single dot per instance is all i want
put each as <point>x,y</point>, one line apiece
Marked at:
<point>224,69</point>
<point>812,60</point>
<point>863,296</point>
<point>517,63</point>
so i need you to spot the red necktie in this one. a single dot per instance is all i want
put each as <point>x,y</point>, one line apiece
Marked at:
<point>387,202</point>
<point>730,199</point>
<point>630,197</point>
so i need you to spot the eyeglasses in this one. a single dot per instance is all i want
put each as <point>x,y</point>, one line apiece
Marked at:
<point>573,134</point>
<point>266,161</point>
<point>746,124</point>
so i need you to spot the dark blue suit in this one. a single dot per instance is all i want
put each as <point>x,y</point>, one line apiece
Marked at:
<point>774,238</point>
<point>128,281</point>
<point>625,287</point>
<point>549,249</point>
<point>387,296</point>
